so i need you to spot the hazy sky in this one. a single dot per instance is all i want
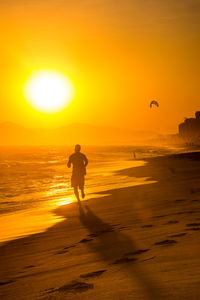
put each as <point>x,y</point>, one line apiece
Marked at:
<point>119,55</point>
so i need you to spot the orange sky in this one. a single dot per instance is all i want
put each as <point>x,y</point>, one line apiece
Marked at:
<point>119,55</point>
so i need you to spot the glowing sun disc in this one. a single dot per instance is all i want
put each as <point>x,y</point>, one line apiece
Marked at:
<point>48,91</point>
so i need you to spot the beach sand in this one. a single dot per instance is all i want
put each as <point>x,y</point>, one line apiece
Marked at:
<point>140,242</point>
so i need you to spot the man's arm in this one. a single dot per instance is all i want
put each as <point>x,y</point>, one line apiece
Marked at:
<point>85,161</point>
<point>69,162</point>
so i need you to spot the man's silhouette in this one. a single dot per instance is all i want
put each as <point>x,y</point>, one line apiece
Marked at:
<point>79,162</point>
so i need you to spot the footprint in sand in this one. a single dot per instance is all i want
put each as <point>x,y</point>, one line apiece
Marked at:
<point>93,234</point>
<point>150,258</point>
<point>29,267</point>
<point>65,250</point>
<point>62,252</point>
<point>178,235</point>
<point>68,247</point>
<point>195,190</point>
<point>93,274</point>
<point>127,257</point>
<point>26,243</point>
<point>137,252</point>
<point>6,282</point>
<point>72,287</point>
<point>193,224</point>
<point>171,222</point>
<point>180,200</point>
<point>85,240</point>
<point>166,242</point>
<point>147,226</point>
<point>124,260</point>
<point>193,228</point>
<point>76,286</point>
<point>50,290</point>
<point>122,228</point>
<point>172,170</point>
<point>96,234</point>
<point>161,216</point>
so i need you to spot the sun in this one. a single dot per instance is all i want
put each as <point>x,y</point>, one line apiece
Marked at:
<point>49,91</point>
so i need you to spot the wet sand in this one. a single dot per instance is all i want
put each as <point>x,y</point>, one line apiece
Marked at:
<point>140,242</point>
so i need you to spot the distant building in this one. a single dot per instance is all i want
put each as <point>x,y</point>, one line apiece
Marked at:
<point>189,130</point>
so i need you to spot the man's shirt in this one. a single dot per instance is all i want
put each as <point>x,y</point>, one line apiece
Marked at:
<point>79,162</point>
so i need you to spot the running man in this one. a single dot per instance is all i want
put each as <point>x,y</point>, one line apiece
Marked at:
<point>79,162</point>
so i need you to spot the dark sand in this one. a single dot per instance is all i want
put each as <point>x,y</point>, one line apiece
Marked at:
<point>141,242</point>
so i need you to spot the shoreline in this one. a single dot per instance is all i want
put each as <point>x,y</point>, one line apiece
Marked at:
<point>52,218</point>
<point>139,237</point>
<point>39,219</point>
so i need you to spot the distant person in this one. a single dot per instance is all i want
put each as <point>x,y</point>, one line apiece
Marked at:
<point>79,162</point>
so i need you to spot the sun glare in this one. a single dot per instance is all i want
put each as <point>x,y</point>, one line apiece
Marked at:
<point>49,91</point>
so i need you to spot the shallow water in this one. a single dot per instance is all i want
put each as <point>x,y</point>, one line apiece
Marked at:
<point>35,180</point>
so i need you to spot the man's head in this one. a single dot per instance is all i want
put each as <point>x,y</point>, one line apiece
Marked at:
<point>77,148</point>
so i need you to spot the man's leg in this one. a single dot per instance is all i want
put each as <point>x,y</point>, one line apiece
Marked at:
<point>82,192</point>
<point>81,186</point>
<point>76,193</point>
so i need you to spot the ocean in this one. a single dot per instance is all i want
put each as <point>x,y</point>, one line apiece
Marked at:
<point>36,180</point>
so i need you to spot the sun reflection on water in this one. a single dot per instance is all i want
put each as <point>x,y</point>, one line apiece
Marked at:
<point>65,201</point>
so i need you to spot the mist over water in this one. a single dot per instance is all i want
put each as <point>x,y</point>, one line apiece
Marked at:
<point>35,180</point>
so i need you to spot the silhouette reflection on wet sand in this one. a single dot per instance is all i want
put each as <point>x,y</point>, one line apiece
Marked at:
<point>115,248</point>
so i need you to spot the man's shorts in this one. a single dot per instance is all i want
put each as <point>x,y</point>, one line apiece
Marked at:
<point>77,180</point>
